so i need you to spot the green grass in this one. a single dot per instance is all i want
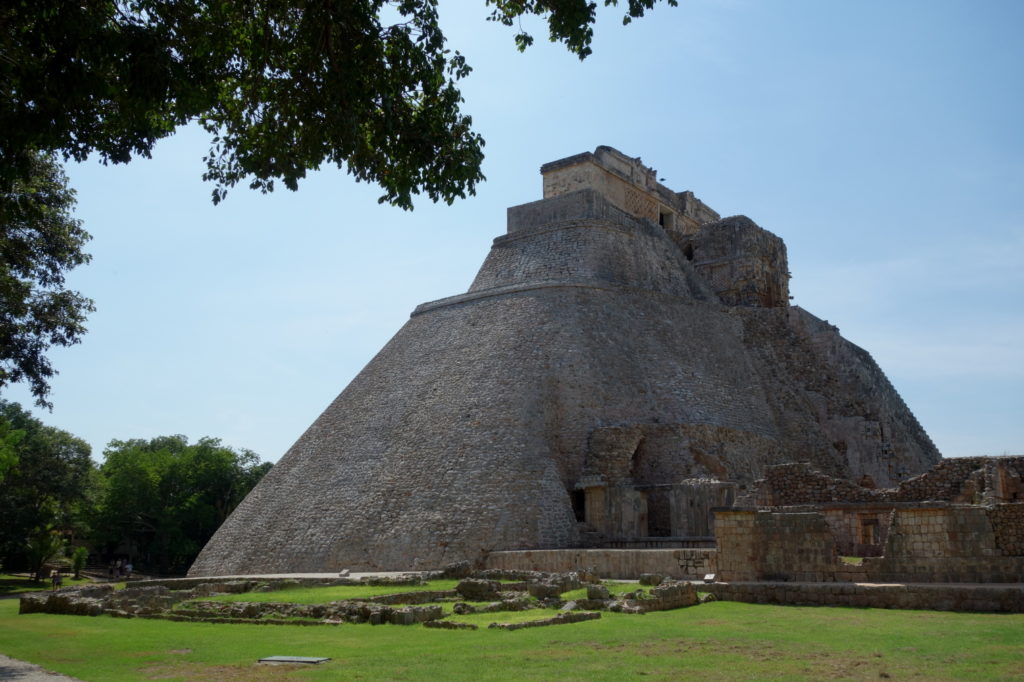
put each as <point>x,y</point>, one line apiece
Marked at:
<point>718,641</point>
<point>615,588</point>
<point>485,619</point>
<point>15,584</point>
<point>323,595</point>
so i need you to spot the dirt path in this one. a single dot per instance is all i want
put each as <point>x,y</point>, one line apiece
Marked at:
<point>13,669</point>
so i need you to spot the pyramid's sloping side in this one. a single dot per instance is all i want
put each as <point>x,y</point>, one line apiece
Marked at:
<point>461,434</point>
<point>585,334</point>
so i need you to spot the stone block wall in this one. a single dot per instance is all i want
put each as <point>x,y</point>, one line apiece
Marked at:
<point>760,545</point>
<point>925,543</point>
<point>681,564</point>
<point>977,598</point>
<point>860,530</point>
<point>1008,527</point>
<point>951,543</point>
<point>745,265</point>
<point>737,546</point>
<point>786,485</point>
<point>691,502</point>
<point>968,480</point>
<point>628,184</point>
<point>965,480</point>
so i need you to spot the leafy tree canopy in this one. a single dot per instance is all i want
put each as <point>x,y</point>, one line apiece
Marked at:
<point>9,438</point>
<point>164,498</point>
<point>39,243</point>
<point>283,86</point>
<point>47,488</point>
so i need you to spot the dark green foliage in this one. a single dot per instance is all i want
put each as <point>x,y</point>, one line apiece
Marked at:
<point>569,21</point>
<point>284,86</point>
<point>165,498</point>
<point>9,438</point>
<point>39,243</point>
<point>46,492</point>
<point>46,542</point>
<point>78,559</point>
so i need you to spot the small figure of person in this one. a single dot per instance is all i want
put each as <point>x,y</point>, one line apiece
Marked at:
<point>110,571</point>
<point>56,579</point>
<point>119,568</point>
<point>128,569</point>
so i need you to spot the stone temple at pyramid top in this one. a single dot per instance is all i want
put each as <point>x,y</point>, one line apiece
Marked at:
<point>629,185</point>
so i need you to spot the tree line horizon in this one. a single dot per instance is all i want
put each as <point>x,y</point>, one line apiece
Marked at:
<point>153,501</point>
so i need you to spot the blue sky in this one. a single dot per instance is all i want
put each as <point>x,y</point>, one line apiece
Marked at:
<point>881,140</point>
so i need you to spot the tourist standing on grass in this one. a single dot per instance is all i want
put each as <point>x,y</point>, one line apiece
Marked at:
<point>56,580</point>
<point>128,569</point>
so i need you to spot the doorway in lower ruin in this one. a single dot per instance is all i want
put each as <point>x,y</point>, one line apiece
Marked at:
<point>659,507</point>
<point>659,512</point>
<point>579,504</point>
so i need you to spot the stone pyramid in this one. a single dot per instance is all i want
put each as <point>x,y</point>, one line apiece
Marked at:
<point>622,355</point>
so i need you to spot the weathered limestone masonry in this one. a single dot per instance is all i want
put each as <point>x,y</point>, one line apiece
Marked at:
<point>624,361</point>
<point>860,517</point>
<point>943,597</point>
<point>960,525</point>
<point>682,564</point>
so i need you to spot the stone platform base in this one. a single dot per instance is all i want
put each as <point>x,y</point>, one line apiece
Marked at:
<point>682,564</point>
<point>1000,598</point>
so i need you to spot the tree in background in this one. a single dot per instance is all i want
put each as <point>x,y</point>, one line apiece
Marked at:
<point>165,498</point>
<point>9,438</point>
<point>78,559</point>
<point>39,243</point>
<point>44,543</point>
<point>283,86</point>
<point>46,493</point>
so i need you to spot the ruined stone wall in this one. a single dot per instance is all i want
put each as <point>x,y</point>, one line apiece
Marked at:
<point>969,598</point>
<point>650,454</point>
<point>925,543</point>
<point>692,501</point>
<point>860,530</point>
<point>967,480</point>
<point>628,564</point>
<point>1008,527</point>
<point>761,545</point>
<point>795,483</point>
<point>954,543</point>
<point>744,264</point>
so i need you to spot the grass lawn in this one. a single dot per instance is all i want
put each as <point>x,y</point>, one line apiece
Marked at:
<point>719,640</point>
<point>15,584</point>
<point>323,595</point>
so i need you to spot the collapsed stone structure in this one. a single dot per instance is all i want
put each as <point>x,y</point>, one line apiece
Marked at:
<point>624,361</point>
<point>494,591</point>
<point>962,521</point>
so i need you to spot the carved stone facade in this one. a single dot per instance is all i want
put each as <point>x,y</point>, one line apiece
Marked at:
<point>624,361</point>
